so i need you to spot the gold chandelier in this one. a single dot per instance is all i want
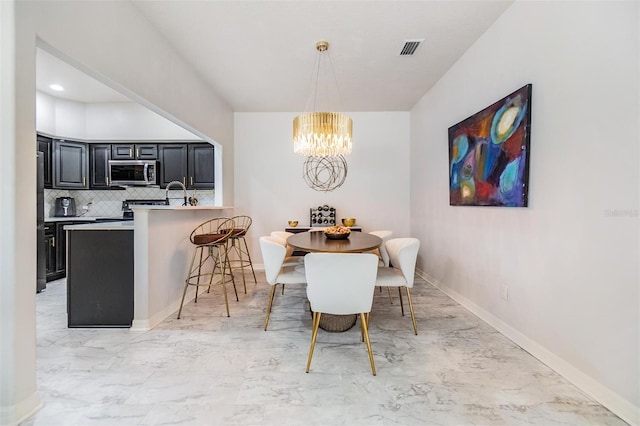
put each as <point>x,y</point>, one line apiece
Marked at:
<point>322,134</point>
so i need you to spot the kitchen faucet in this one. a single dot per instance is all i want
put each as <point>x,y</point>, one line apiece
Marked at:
<point>184,190</point>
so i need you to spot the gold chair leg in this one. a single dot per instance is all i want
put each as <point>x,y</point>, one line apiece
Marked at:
<point>283,289</point>
<point>249,257</point>
<point>314,335</point>
<point>390,297</point>
<point>271,295</point>
<point>413,316</point>
<point>226,264</point>
<point>216,263</point>
<point>366,317</point>
<point>224,289</point>
<point>240,261</point>
<point>401,303</point>
<point>199,273</point>
<point>186,282</point>
<point>365,331</point>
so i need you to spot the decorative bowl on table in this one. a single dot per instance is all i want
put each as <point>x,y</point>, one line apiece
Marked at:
<point>337,232</point>
<point>293,223</point>
<point>349,221</point>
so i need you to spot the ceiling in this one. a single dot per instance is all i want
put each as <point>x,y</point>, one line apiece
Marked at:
<point>259,55</point>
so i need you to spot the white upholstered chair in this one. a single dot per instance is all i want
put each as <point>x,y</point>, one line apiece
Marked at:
<point>273,255</point>
<point>289,259</point>
<point>403,253</point>
<point>341,284</point>
<point>385,236</point>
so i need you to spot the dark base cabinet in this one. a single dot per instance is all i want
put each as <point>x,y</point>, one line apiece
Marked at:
<point>100,278</point>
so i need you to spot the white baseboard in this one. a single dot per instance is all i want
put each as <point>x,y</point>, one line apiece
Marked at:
<point>148,324</point>
<point>623,408</point>
<point>15,414</point>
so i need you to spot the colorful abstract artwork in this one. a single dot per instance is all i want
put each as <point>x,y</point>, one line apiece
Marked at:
<point>489,154</point>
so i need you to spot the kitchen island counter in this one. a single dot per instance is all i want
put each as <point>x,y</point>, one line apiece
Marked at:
<point>100,277</point>
<point>81,219</point>
<point>162,253</point>
<point>124,225</point>
<point>156,268</point>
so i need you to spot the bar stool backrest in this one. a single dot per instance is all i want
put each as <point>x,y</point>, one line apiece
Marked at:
<point>242,225</point>
<point>213,231</point>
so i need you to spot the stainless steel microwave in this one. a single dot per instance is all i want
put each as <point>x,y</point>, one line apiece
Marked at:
<point>133,172</point>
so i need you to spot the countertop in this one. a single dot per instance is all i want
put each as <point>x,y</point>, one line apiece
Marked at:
<point>125,225</point>
<point>134,208</point>
<point>80,218</point>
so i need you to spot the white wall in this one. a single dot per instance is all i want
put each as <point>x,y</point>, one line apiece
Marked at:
<point>111,42</point>
<point>570,260</point>
<point>70,119</point>
<point>113,121</point>
<point>18,395</point>
<point>270,187</point>
<point>45,113</point>
<point>104,121</point>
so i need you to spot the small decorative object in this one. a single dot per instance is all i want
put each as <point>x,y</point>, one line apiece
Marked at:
<point>323,216</point>
<point>489,154</point>
<point>325,173</point>
<point>349,221</point>
<point>193,201</point>
<point>293,223</point>
<point>337,232</point>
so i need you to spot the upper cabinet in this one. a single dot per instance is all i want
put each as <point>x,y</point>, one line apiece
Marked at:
<point>201,166</point>
<point>80,165</point>
<point>173,163</point>
<point>134,152</point>
<point>44,146</point>
<point>191,164</point>
<point>99,156</point>
<point>70,165</point>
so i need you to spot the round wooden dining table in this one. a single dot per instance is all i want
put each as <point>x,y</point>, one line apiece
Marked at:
<point>316,242</point>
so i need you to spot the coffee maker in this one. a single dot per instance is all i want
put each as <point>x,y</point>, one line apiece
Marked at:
<point>65,206</point>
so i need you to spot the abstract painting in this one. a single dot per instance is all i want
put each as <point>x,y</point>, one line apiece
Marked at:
<point>489,154</point>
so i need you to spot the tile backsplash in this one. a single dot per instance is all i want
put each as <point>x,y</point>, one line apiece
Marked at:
<point>109,203</point>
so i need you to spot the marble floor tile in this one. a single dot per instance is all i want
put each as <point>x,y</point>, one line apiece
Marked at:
<point>210,369</point>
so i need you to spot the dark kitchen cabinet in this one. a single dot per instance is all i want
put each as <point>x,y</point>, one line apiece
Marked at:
<point>44,146</point>
<point>99,156</point>
<point>70,165</point>
<point>50,251</point>
<point>61,247</point>
<point>201,166</point>
<point>55,238</point>
<point>134,152</point>
<point>100,278</point>
<point>191,164</point>
<point>173,159</point>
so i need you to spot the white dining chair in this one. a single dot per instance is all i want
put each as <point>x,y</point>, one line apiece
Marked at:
<point>289,259</point>
<point>385,236</point>
<point>403,253</point>
<point>341,284</point>
<point>273,255</point>
<point>382,252</point>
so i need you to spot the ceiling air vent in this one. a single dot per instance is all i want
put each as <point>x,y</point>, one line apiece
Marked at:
<point>410,47</point>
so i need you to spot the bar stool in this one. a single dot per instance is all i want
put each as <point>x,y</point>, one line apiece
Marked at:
<point>211,239</point>
<point>238,245</point>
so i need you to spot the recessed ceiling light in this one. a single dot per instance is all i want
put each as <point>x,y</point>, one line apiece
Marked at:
<point>56,87</point>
